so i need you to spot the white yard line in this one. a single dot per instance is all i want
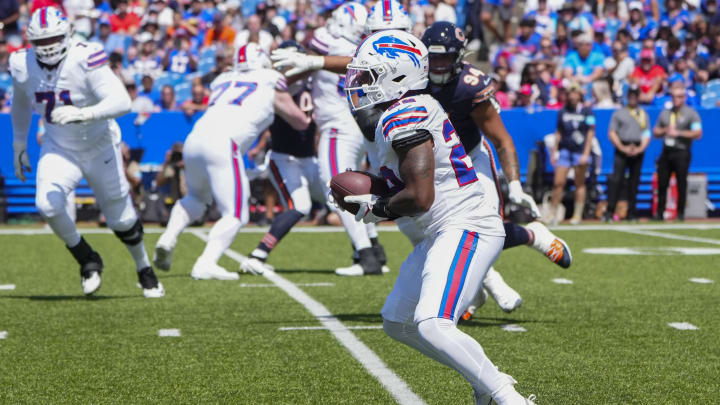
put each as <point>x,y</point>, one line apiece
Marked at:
<point>700,280</point>
<point>672,236</point>
<point>683,326</point>
<point>169,333</point>
<point>511,327</point>
<point>3,334</point>
<point>359,327</point>
<point>298,284</point>
<point>562,281</point>
<point>7,286</point>
<point>369,360</point>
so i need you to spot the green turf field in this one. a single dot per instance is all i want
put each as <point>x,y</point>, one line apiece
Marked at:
<point>604,339</point>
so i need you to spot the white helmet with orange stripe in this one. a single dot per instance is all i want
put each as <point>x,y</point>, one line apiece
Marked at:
<point>251,57</point>
<point>49,34</point>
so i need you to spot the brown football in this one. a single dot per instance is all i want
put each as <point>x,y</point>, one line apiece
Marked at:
<point>356,183</point>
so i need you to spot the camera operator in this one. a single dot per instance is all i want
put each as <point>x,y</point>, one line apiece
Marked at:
<point>172,172</point>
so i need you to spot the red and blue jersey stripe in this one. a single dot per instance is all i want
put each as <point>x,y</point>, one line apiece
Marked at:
<point>457,274</point>
<point>97,59</point>
<point>403,117</point>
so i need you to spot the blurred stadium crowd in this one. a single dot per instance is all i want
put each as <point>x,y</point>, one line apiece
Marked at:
<point>167,52</point>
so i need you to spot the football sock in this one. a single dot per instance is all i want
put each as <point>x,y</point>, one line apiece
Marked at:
<point>493,281</point>
<point>220,237</point>
<point>82,252</point>
<point>133,240</point>
<point>259,253</point>
<point>282,224</point>
<point>462,353</point>
<point>184,212</point>
<point>515,235</point>
<point>355,230</point>
<point>506,395</point>
<point>371,230</point>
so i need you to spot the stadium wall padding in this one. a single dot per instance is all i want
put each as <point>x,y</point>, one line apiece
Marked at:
<point>159,132</point>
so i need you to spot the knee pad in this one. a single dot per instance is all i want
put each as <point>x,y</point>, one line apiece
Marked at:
<point>51,203</point>
<point>401,332</point>
<point>132,236</point>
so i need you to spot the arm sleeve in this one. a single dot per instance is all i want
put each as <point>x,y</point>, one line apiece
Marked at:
<point>614,122</point>
<point>411,139</point>
<point>114,99</point>
<point>20,115</point>
<point>695,121</point>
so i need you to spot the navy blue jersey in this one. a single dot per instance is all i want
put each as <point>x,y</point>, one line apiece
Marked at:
<point>459,97</point>
<point>285,139</point>
<point>573,126</point>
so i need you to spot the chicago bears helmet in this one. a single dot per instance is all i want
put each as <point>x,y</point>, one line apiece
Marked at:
<point>49,34</point>
<point>388,14</point>
<point>348,21</point>
<point>386,65</point>
<point>446,43</point>
<point>251,57</point>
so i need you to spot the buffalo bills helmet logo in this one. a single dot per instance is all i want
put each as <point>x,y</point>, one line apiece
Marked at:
<point>392,48</point>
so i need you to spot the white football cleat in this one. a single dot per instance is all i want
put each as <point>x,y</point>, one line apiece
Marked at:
<point>211,271</point>
<point>352,271</point>
<point>255,266</point>
<point>506,297</point>
<point>550,245</point>
<point>92,283</point>
<point>149,283</point>
<point>163,257</point>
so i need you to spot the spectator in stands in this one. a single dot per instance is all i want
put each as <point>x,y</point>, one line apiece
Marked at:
<point>219,33</point>
<point>172,173</point>
<point>500,92</point>
<point>528,41</point>
<point>545,19</point>
<point>648,76</point>
<point>197,103</point>
<point>676,16</point>
<point>222,62</point>
<point>697,62</point>
<point>4,56</point>
<point>678,126</point>
<point>573,143</point>
<point>620,67</point>
<point>638,26</point>
<point>602,97</point>
<point>562,40</point>
<point>579,18</point>
<point>111,42</point>
<point>504,9</point>
<point>148,89</point>
<point>600,44</point>
<point>123,21</point>
<point>181,27</point>
<point>167,99</point>
<point>9,15</point>
<point>254,33</point>
<point>180,59</point>
<point>445,10</point>
<point>140,104</point>
<point>147,62</point>
<point>583,64</point>
<point>629,132</point>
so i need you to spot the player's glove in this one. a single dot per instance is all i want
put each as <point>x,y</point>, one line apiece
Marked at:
<point>519,197</point>
<point>372,208</point>
<point>297,62</point>
<point>22,163</point>
<point>70,114</point>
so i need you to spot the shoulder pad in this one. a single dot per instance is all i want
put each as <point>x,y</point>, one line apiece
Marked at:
<point>18,65</point>
<point>402,117</point>
<point>476,85</point>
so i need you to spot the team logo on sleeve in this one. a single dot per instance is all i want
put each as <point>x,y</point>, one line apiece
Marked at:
<point>392,48</point>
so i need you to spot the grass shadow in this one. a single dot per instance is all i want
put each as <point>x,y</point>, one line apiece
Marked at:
<point>486,322</point>
<point>303,271</point>
<point>69,297</point>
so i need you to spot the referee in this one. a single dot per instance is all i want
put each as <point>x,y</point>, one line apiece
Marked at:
<point>630,133</point>
<point>678,127</point>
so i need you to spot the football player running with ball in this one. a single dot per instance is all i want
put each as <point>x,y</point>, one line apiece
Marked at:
<point>242,105</point>
<point>72,87</point>
<point>435,184</point>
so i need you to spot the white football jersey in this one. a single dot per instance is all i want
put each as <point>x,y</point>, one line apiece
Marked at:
<point>73,82</point>
<point>460,201</point>
<point>241,105</point>
<point>331,106</point>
